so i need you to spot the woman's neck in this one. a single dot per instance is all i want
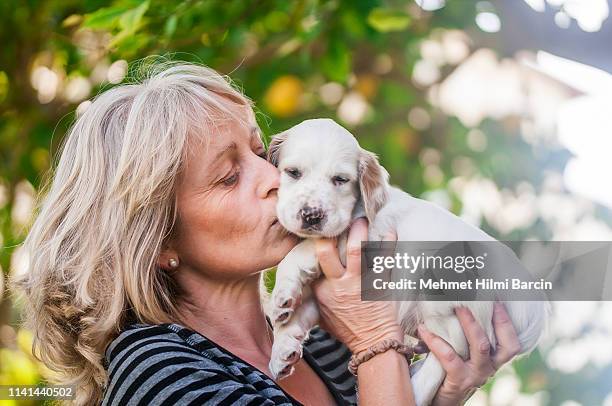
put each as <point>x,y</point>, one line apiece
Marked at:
<point>227,312</point>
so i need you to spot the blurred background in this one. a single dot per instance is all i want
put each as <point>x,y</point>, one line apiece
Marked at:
<point>500,111</point>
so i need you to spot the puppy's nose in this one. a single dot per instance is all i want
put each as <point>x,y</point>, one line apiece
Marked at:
<point>311,216</point>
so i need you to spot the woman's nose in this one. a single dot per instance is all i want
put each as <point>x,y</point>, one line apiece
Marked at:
<point>269,181</point>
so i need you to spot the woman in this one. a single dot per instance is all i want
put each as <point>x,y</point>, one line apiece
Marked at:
<point>146,254</point>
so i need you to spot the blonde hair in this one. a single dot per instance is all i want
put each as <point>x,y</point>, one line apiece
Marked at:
<point>106,212</point>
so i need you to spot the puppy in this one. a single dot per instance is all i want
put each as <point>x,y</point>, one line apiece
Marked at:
<point>327,180</point>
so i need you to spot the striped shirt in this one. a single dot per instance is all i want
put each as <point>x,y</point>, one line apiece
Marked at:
<point>168,364</point>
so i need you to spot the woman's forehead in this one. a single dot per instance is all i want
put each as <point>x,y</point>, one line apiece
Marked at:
<point>206,147</point>
<point>214,127</point>
<point>233,131</point>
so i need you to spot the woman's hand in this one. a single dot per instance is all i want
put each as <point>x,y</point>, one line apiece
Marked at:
<point>463,377</point>
<point>357,324</point>
<point>384,379</point>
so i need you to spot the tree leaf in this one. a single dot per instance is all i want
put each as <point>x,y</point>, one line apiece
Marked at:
<point>105,18</point>
<point>385,20</point>
<point>170,26</point>
<point>129,23</point>
<point>336,63</point>
<point>130,19</point>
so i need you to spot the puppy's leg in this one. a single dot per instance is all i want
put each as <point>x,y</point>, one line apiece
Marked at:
<point>297,269</point>
<point>288,338</point>
<point>427,380</point>
<point>429,377</point>
<point>529,320</point>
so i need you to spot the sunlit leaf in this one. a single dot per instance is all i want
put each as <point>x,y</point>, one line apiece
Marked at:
<point>129,22</point>
<point>385,20</point>
<point>4,85</point>
<point>72,20</point>
<point>130,19</point>
<point>104,18</point>
<point>170,26</point>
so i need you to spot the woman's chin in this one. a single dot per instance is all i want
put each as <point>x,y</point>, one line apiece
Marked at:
<point>276,253</point>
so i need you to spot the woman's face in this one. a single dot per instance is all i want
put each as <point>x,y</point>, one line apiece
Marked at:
<point>226,201</point>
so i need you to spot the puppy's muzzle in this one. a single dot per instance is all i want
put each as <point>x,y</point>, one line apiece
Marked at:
<point>312,217</point>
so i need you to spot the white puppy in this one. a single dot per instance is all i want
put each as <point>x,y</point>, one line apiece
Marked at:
<point>327,180</point>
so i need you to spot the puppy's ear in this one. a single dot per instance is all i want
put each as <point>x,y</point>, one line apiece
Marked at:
<point>373,184</point>
<point>275,147</point>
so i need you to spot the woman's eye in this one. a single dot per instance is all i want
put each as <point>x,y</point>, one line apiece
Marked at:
<point>294,173</point>
<point>231,180</point>
<point>339,180</point>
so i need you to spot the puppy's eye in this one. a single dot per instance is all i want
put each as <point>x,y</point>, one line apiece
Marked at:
<point>294,173</point>
<point>339,180</point>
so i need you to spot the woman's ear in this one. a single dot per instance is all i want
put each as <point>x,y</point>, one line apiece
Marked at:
<point>275,147</point>
<point>373,184</point>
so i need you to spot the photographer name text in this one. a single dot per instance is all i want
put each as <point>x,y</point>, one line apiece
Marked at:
<point>477,284</point>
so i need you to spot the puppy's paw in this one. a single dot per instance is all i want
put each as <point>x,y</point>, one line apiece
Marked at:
<point>287,295</point>
<point>286,352</point>
<point>281,316</point>
<point>285,298</point>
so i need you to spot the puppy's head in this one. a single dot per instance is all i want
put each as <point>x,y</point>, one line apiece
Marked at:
<point>325,177</point>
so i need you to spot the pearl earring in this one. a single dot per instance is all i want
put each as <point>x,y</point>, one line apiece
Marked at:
<point>173,263</point>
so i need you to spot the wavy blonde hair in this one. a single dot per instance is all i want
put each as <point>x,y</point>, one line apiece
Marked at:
<point>107,210</point>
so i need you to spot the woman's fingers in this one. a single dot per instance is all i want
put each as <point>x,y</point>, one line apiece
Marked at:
<point>327,254</point>
<point>327,251</point>
<point>508,344</point>
<point>462,377</point>
<point>480,347</point>
<point>450,360</point>
<point>357,234</point>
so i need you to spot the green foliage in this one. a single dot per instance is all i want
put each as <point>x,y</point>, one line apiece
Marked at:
<point>105,18</point>
<point>336,64</point>
<point>386,20</point>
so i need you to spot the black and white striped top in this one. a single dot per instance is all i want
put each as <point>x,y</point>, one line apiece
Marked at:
<point>168,364</point>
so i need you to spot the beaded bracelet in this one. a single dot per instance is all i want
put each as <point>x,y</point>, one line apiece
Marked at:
<point>379,348</point>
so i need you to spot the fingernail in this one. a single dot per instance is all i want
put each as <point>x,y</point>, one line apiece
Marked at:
<point>465,311</point>
<point>500,312</point>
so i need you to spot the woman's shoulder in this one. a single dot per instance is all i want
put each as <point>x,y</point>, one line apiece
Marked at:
<point>143,358</point>
<point>171,364</point>
<point>144,341</point>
